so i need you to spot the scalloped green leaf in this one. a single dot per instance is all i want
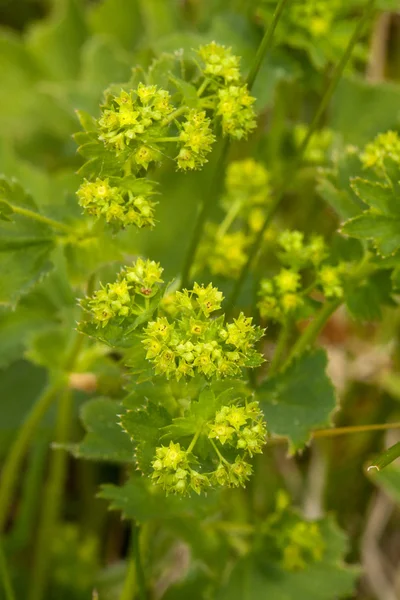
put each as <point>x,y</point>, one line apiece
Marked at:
<point>143,426</point>
<point>382,230</point>
<point>25,245</point>
<point>377,195</point>
<point>104,439</point>
<point>299,400</point>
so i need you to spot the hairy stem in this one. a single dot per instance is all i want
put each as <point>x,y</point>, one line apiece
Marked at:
<point>5,575</point>
<point>12,466</point>
<point>51,507</point>
<point>265,43</point>
<point>386,458</point>
<point>30,214</point>
<point>270,211</point>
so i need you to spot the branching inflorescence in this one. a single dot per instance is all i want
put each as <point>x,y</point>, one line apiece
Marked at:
<point>141,127</point>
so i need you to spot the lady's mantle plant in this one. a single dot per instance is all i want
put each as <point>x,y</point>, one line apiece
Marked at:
<point>185,399</point>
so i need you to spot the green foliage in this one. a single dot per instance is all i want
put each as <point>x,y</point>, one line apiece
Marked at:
<point>104,440</point>
<point>169,279</point>
<point>327,578</point>
<point>298,400</point>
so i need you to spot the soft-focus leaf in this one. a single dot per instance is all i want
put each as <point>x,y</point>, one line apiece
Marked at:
<point>299,400</point>
<point>105,438</point>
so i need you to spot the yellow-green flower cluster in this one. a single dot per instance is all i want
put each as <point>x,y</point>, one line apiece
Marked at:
<point>131,119</point>
<point>235,107</point>
<point>297,542</point>
<point>385,145</point>
<point>223,254</point>
<point>193,343</point>
<point>301,544</point>
<point>172,471</point>
<point>308,19</point>
<point>228,96</point>
<point>331,281</point>
<point>296,253</point>
<point>280,296</point>
<point>122,299</point>
<point>220,63</point>
<point>247,181</point>
<point>197,139</point>
<point>119,206</point>
<point>242,427</point>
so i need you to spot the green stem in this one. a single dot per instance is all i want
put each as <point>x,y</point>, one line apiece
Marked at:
<point>206,205</point>
<point>265,45</point>
<point>136,563</point>
<point>254,248</point>
<point>195,438</point>
<point>221,458</point>
<point>385,458</point>
<point>12,466</point>
<point>130,581</point>
<point>166,139</point>
<point>310,333</point>
<point>229,218</point>
<point>202,88</point>
<point>30,214</point>
<point>217,180</point>
<point>5,575</point>
<point>270,212</point>
<point>280,347</point>
<point>174,115</point>
<point>334,431</point>
<point>51,507</point>
<point>337,74</point>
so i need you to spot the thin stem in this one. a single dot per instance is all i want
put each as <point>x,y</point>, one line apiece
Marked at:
<point>280,193</point>
<point>265,45</point>
<point>229,218</point>
<point>203,214</point>
<point>217,179</point>
<point>337,74</point>
<point>5,575</point>
<point>310,333</point>
<point>254,248</point>
<point>202,88</point>
<point>386,458</point>
<point>30,214</point>
<point>137,559</point>
<point>194,440</point>
<point>166,139</point>
<point>336,431</point>
<point>221,458</point>
<point>280,347</point>
<point>130,581</point>
<point>52,499</point>
<point>12,466</point>
<point>174,115</point>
